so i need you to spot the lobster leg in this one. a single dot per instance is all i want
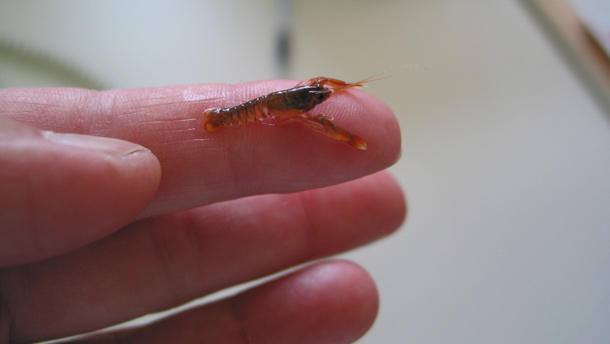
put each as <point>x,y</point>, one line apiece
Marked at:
<point>323,124</point>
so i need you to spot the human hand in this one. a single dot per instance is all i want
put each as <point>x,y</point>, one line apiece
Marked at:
<point>97,231</point>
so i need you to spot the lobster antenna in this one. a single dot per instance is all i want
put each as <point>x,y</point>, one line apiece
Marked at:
<point>388,73</point>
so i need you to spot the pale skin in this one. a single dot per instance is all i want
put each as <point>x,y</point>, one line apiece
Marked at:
<point>142,211</point>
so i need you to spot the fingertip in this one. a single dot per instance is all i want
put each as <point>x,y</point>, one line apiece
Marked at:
<point>67,190</point>
<point>396,196</point>
<point>329,302</point>
<point>352,214</point>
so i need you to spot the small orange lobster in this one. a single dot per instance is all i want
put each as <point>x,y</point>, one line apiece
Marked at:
<point>291,105</point>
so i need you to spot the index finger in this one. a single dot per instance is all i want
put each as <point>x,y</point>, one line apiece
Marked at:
<point>201,167</point>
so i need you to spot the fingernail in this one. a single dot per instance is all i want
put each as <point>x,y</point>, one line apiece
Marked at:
<point>104,145</point>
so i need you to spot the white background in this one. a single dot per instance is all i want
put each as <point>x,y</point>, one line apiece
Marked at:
<point>506,153</point>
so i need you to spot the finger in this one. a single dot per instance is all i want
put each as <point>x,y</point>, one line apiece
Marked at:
<point>329,302</point>
<point>60,192</point>
<point>158,264</point>
<point>202,167</point>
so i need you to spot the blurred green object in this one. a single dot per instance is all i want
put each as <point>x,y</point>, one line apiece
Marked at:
<point>22,66</point>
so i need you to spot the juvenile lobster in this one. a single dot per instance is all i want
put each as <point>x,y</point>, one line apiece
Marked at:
<point>291,105</point>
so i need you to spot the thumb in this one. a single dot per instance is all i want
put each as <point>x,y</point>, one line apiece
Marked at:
<point>59,192</point>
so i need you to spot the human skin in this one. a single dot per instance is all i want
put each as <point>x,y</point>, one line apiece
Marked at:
<point>116,204</point>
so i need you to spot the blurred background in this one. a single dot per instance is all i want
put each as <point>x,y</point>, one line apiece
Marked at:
<point>506,138</point>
